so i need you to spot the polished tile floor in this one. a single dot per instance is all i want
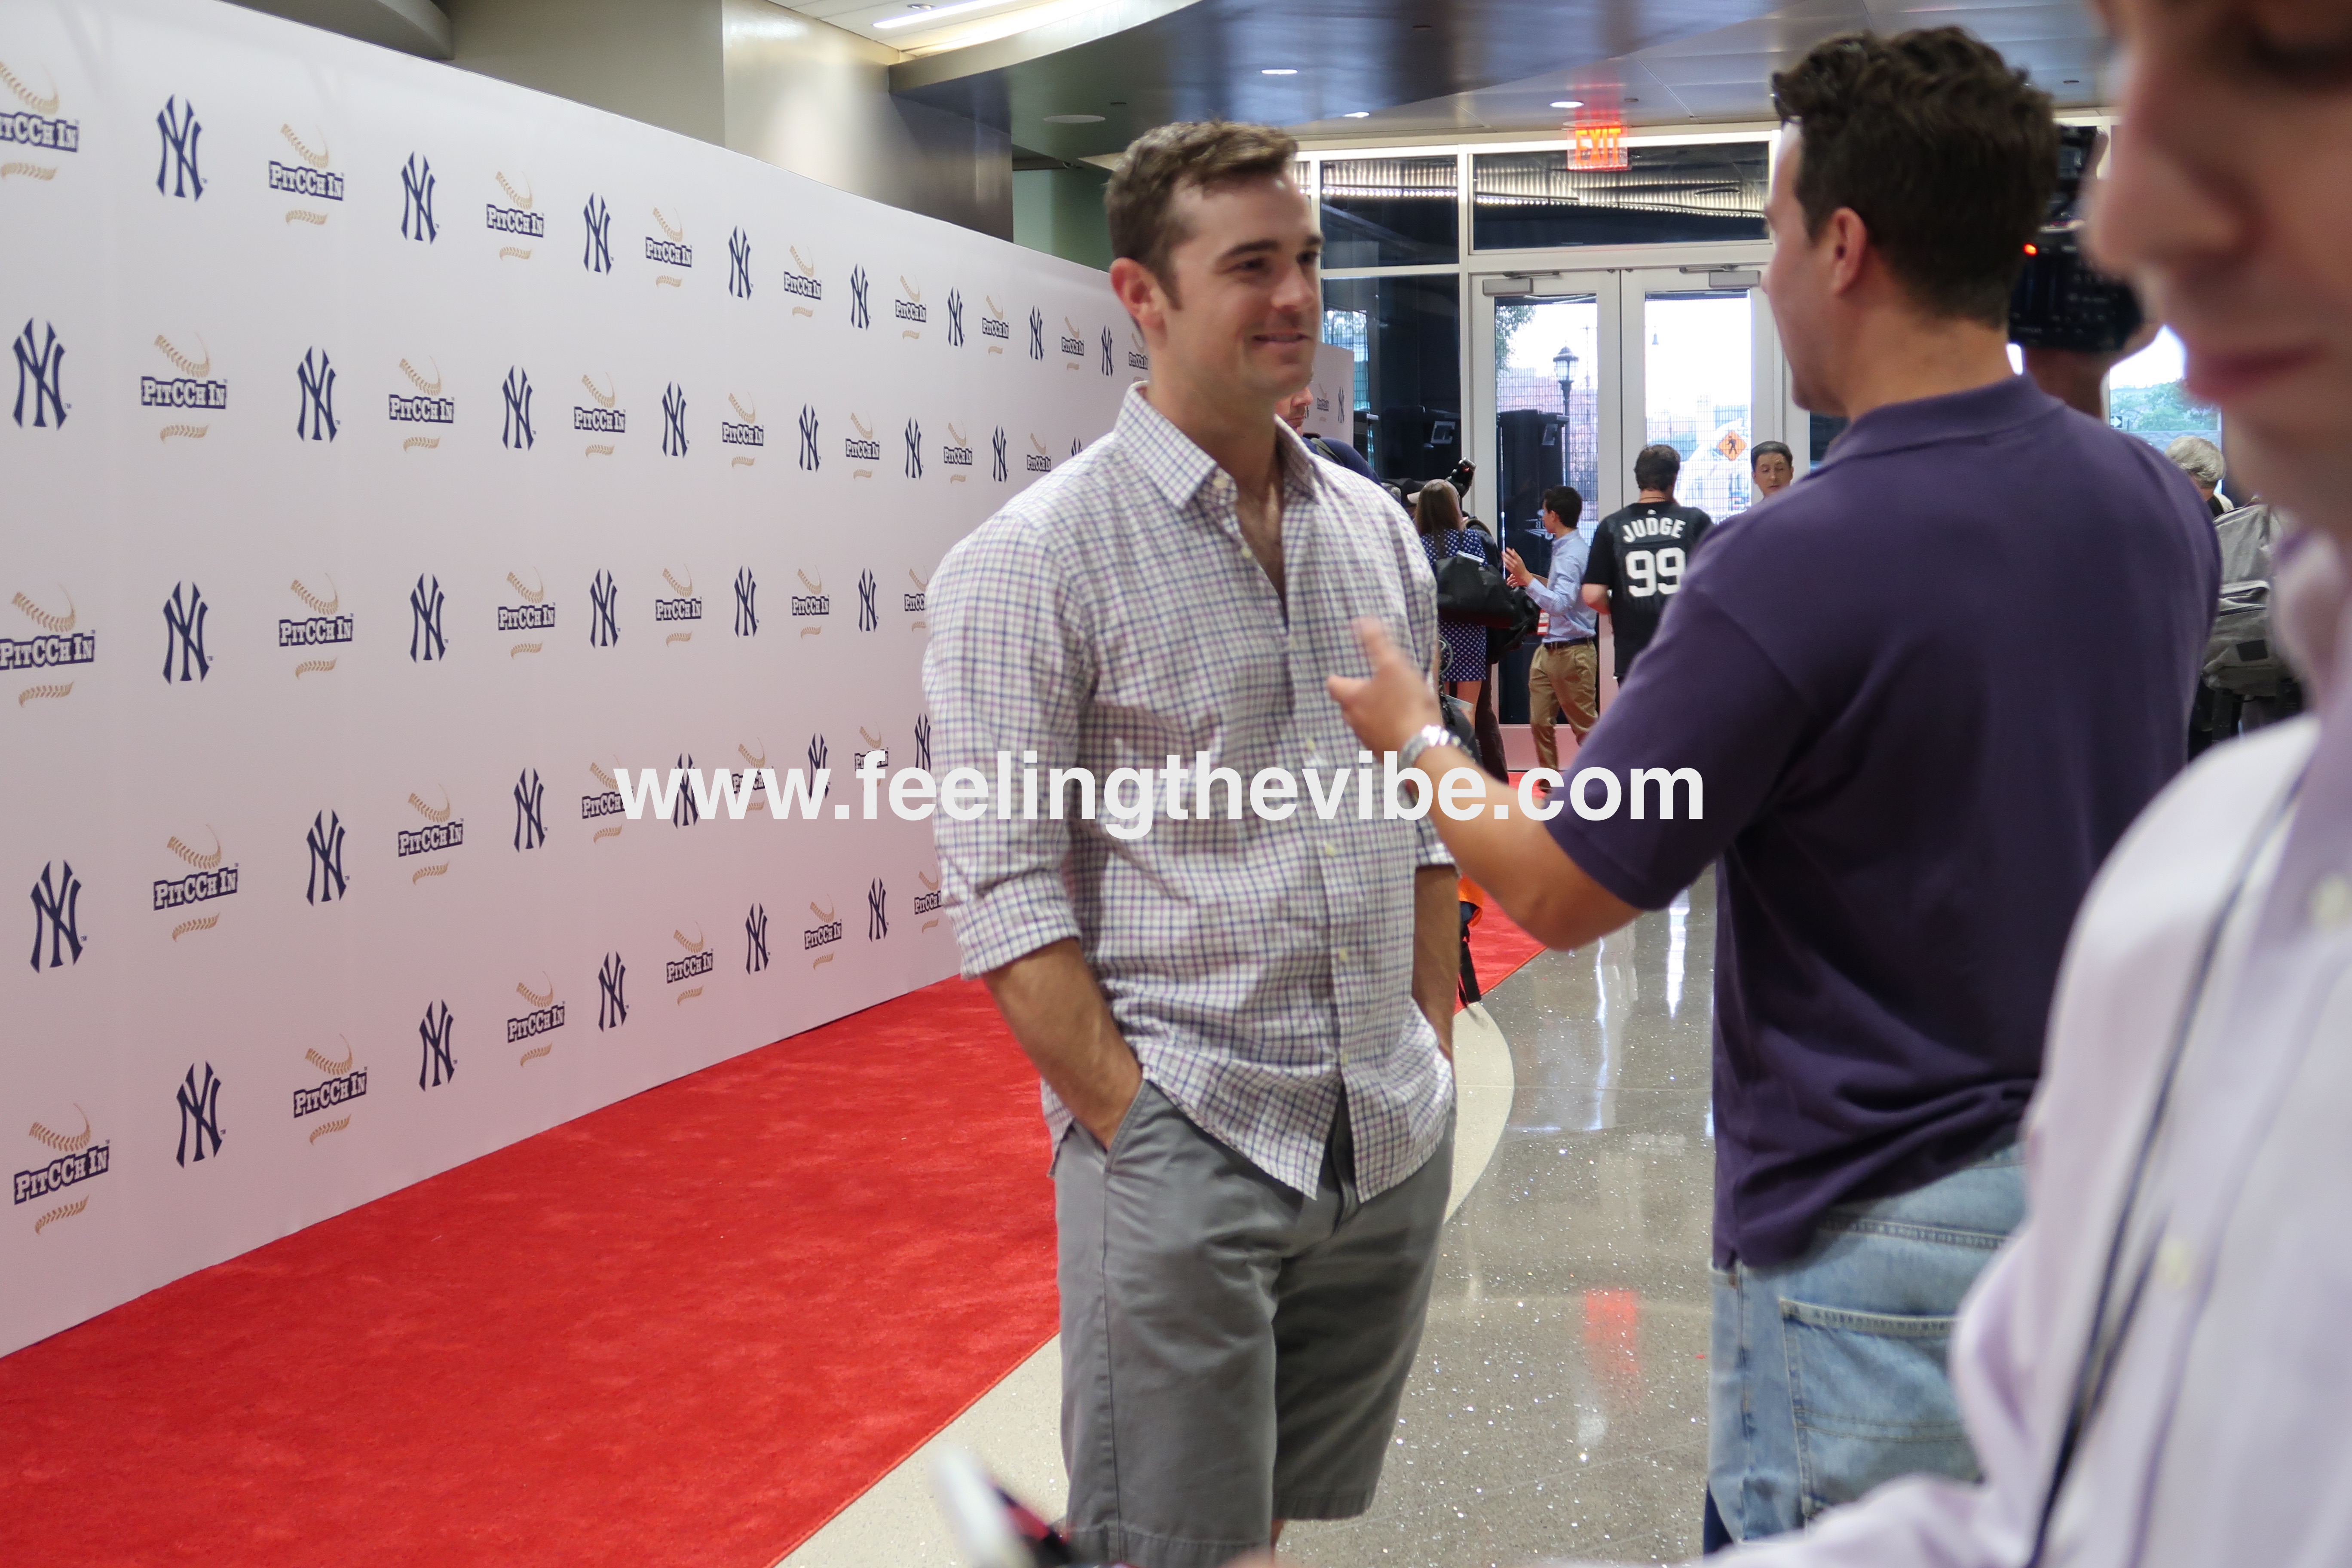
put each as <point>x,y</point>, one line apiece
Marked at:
<point>1559,1405</point>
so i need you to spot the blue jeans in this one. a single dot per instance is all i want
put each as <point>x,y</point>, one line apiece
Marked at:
<point>1826,1375</point>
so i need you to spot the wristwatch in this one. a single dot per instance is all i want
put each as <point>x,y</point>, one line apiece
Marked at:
<point>1421,740</point>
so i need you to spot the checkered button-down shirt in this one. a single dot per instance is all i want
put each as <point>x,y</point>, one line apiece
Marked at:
<point>1112,617</point>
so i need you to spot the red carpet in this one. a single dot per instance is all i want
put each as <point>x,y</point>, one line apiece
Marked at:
<point>683,1329</point>
<point>687,1329</point>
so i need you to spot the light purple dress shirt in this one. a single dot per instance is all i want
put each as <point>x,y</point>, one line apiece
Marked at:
<point>2223,1437</point>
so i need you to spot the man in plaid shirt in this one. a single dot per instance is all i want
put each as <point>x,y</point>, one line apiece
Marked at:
<point>1242,1016</point>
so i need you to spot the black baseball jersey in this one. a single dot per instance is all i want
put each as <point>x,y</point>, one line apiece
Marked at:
<point>1639,554</point>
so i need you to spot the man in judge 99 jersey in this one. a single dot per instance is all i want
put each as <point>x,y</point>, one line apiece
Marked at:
<point>1640,554</point>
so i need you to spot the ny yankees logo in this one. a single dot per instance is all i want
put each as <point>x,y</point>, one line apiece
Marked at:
<point>603,602</point>
<point>41,371</point>
<point>180,131</point>
<point>57,917</point>
<point>878,918</point>
<point>326,846</point>
<point>686,814</point>
<point>810,458</point>
<point>424,624</point>
<point>1036,333</point>
<point>417,201</point>
<point>439,1059</point>
<point>184,633</point>
<point>923,741</point>
<point>867,619</point>
<point>518,435</point>
<point>747,615</point>
<point>858,316</point>
<point>531,820</point>
<point>739,258</point>
<point>314,417</point>
<point>914,464</point>
<point>755,940</point>
<point>997,470</point>
<point>1105,350</point>
<point>612,1000</point>
<point>597,256</point>
<point>199,1112</point>
<point>674,422</point>
<point>817,752</point>
<point>955,319</point>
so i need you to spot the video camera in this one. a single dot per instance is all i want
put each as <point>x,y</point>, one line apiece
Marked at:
<point>2061,301</point>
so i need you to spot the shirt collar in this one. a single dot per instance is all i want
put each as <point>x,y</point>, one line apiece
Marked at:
<point>1178,470</point>
<point>1953,417</point>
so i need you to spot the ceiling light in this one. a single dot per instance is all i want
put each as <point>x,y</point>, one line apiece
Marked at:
<point>925,15</point>
<point>1074,120</point>
<point>1279,70</point>
<point>1358,114</point>
<point>1567,103</point>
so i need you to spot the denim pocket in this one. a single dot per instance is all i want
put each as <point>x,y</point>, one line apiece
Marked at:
<point>1872,1399</point>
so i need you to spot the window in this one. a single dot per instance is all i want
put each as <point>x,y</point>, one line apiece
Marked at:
<point>1406,334</point>
<point>2147,398</point>
<point>1390,212</point>
<point>1711,190</point>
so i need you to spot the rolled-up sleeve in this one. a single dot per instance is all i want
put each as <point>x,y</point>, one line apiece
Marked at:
<point>1008,670</point>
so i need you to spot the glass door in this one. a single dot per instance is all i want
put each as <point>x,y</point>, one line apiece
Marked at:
<point>1692,353</point>
<point>1584,367</point>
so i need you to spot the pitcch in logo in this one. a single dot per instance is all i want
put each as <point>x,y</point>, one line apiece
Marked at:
<point>668,250</point>
<point>194,391</point>
<point>310,178</point>
<point>57,644</point>
<point>37,128</point>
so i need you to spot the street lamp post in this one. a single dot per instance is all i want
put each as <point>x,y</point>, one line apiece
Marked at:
<point>1563,370</point>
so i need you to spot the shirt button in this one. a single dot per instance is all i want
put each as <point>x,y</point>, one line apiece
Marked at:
<point>1331,849</point>
<point>2173,1264</point>
<point>1340,956</point>
<point>2331,903</point>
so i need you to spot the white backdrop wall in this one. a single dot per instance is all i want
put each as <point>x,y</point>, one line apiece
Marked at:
<point>401,620</point>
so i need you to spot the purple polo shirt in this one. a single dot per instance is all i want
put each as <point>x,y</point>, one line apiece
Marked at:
<point>1927,687</point>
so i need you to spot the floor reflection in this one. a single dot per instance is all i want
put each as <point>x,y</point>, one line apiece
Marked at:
<point>1558,1407</point>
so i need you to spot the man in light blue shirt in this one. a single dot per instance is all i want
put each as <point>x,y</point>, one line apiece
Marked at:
<point>1565,675</point>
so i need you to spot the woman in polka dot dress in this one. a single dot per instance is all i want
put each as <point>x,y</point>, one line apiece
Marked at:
<point>1437,514</point>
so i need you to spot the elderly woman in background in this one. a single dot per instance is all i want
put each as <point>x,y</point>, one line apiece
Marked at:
<point>2202,462</point>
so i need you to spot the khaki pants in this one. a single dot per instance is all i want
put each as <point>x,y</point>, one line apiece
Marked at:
<point>1562,679</point>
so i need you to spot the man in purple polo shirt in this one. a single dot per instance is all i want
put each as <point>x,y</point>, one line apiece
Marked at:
<point>1912,703</point>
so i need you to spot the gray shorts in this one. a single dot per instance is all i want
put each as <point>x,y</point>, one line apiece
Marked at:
<point>1233,1351</point>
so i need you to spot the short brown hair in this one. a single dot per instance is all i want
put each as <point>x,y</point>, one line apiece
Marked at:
<point>1204,155</point>
<point>1656,467</point>
<point>1945,154</point>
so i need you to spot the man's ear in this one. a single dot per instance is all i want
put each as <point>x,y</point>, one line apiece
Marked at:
<point>1847,239</point>
<point>1140,291</point>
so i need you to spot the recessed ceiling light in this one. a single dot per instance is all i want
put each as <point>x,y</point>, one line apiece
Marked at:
<point>1279,70</point>
<point>924,15</point>
<point>1074,120</point>
<point>1357,114</point>
<point>1567,103</point>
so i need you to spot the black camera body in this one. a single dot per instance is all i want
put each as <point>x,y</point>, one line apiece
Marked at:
<point>2061,301</point>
